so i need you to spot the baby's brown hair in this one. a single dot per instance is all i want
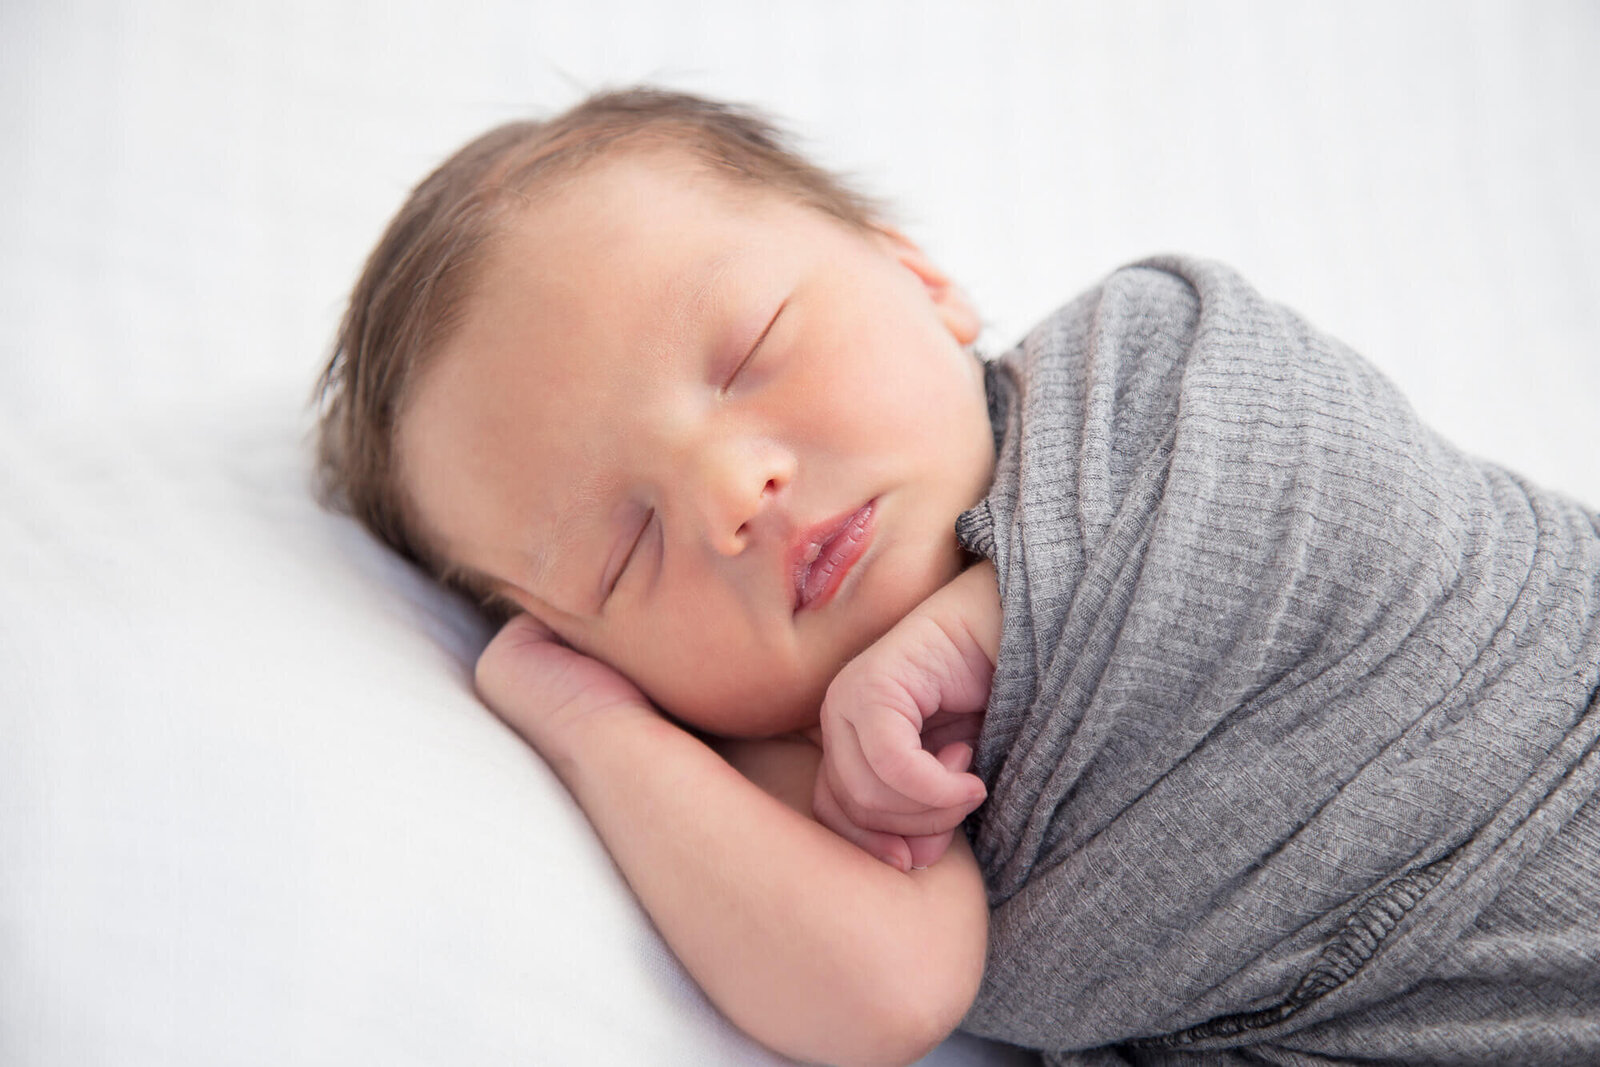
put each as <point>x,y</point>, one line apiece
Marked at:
<point>412,292</point>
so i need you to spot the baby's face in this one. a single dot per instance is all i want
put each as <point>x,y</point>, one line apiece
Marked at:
<point>710,436</point>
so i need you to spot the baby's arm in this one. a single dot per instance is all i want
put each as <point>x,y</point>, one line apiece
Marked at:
<point>900,720</point>
<point>803,940</point>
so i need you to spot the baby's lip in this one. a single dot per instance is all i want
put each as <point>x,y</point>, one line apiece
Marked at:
<point>822,555</point>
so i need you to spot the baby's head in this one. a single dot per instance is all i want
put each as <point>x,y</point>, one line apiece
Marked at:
<point>644,373</point>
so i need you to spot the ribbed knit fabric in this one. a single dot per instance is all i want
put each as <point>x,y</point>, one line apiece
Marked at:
<point>1296,707</point>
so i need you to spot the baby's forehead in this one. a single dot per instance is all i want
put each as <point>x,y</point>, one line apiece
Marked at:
<point>647,170</point>
<point>645,245</point>
<point>604,188</point>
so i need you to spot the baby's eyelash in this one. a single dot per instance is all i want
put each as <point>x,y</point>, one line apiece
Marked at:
<point>755,347</point>
<point>633,549</point>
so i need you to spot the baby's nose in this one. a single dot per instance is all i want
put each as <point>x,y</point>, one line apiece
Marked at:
<point>741,489</point>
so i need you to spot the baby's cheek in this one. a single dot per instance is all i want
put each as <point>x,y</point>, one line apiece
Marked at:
<point>751,700</point>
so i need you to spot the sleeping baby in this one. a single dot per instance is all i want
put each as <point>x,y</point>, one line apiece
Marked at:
<point>1160,692</point>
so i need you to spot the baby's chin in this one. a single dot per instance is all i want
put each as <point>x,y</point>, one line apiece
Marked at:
<point>773,703</point>
<point>762,711</point>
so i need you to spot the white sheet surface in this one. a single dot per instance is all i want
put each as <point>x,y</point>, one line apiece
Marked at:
<point>249,810</point>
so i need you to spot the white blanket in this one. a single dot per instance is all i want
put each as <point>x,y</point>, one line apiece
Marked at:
<point>249,809</point>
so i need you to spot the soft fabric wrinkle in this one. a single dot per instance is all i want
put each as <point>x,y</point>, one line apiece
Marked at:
<point>1289,692</point>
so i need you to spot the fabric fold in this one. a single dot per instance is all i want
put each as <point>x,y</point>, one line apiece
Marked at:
<point>1276,660</point>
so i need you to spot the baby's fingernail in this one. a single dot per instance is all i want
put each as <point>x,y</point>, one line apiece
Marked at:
<point>914,867</point>
<point>894,861</point>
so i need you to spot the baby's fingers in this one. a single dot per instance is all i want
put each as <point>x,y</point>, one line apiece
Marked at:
<point>890,848</point>
<point>892,747</point>
<point>956,757</point>
<point>927,848</point>
<point>868,802</point>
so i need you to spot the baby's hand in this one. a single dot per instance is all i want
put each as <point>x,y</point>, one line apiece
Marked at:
<point>547,691</point>
<point>898,725</point>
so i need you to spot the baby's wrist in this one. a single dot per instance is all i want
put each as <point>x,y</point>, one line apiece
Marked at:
<point>569,743</point>
<point>970,606</point>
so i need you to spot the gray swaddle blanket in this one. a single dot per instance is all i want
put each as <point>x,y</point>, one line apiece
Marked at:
<point>1296,714</point>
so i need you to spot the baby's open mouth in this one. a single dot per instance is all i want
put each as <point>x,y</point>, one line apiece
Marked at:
<point>825,554</point>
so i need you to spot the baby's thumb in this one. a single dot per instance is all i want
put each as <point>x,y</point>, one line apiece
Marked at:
<point>926,849</point>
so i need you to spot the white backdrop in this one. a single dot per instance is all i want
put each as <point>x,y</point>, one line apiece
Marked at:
<point>249,810</point>
<point>188,188</point>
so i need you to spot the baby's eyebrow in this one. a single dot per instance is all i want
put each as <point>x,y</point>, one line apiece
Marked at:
<point>559,550</point>
<point>540,565</point>
<point>702,286</point>
<point>550,609</point>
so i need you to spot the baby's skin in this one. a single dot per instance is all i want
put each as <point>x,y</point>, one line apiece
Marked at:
<point>665,400</point>
<point>897,727</point>
<point>798,936</point>
<point>900,722</point>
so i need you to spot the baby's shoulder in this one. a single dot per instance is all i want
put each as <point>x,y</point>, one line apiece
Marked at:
<point>1154,294</point>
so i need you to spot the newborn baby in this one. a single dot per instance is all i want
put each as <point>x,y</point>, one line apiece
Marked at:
<point>1292,712</point>
<point>676,403</point>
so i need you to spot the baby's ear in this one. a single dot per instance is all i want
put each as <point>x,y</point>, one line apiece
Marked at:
<point>959,316</point>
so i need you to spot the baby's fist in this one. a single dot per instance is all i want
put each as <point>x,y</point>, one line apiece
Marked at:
<point>543,688</point>
<point>897,728</point>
